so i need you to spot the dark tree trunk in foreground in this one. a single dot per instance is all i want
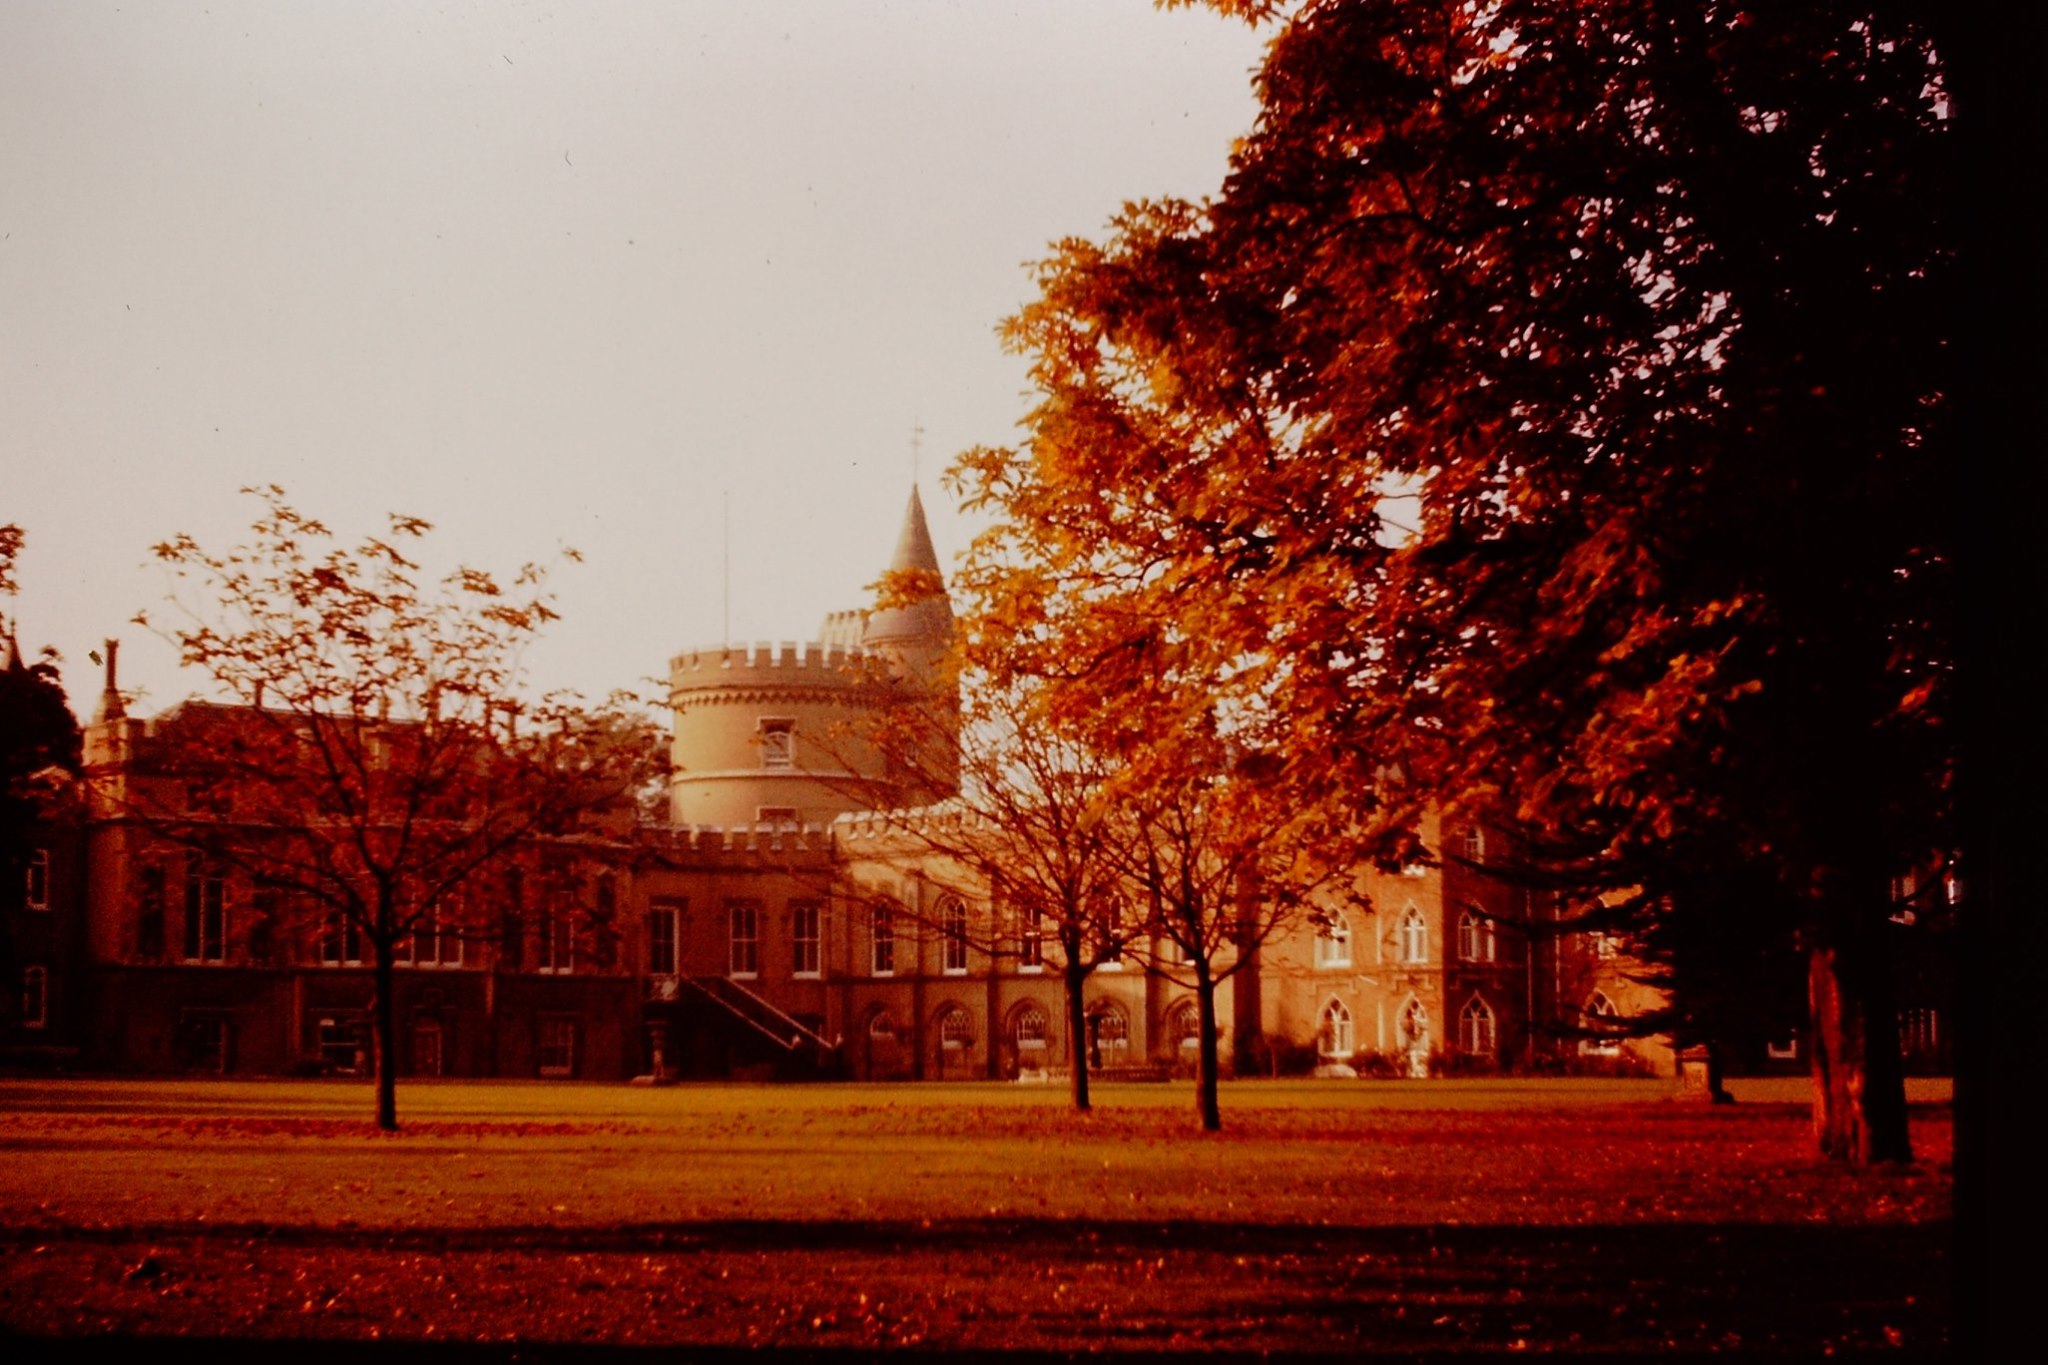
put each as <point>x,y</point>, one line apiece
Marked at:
<point>1209,1065</point>
<point>384,1035</point>
<point>1077,1036</point>
<point>1859,1089</point>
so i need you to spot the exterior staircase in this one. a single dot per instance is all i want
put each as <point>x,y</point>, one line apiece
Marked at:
<point>754,1013</point>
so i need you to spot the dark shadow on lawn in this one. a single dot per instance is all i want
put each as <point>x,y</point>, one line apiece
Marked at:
<point>1747,1291</point>
<point>230,1351</point>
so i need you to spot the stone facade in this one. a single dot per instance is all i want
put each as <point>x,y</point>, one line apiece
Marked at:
<point>769,927</point>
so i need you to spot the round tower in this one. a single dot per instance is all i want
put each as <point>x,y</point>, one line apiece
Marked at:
<point>782,734</point>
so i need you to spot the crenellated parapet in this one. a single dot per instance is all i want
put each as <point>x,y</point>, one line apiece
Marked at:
<point>941,817</point>
<point>700,842</point>
<point>765,656</point>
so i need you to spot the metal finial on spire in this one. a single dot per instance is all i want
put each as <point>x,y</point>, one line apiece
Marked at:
<point>916,448</point>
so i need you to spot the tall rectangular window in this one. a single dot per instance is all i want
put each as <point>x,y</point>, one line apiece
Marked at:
<point>805,957</point>
<point>38,889</point>
<point>778,742</point>
<point>341,942</point>
<point>1031,939</point>
<point>437,942</point>
<point>883,942</point>
<point>206,913</point>
<point>1109,929</point>
<point>744,942</point>
<point>664,922</point>
<point>554,949</point>
<point>953,935</point>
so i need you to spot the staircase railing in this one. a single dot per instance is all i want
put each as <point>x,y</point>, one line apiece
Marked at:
<point>756,1013</point>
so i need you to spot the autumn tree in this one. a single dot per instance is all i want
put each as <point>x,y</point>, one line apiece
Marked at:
<point>380,767</point>
<point>1031,821</point>
<point>1222,866</point>
<point>1550,410</point>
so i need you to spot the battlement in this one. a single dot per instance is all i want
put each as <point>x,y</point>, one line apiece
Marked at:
<point>950,814</point>
<point>815,657</point>
<point>704,840</point>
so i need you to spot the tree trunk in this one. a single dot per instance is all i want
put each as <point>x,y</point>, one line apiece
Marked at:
<point>1077,1036</point>
<point>384,1036</point>
<point>1209,1066</point>
<point>1859,1088</point>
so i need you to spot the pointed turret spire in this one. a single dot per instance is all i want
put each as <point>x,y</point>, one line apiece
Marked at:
<point>914,541</point>
<point>929,619</point>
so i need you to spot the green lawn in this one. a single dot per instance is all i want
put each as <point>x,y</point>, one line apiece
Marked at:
<point>754,1195</point>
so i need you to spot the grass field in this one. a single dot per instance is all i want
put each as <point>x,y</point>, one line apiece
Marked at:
<point>1459,1218</point>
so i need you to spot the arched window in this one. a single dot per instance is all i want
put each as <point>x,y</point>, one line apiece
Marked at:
<point>1109,1033</point>
<point>1475,937</point>
<point>1414,1026</point>
<point>881,1027</point>
<point>1333,942</point>
<point>1028,1030</point>
<point>1184,1025</point>
<point>1413,940</point>
<point>883,923</point>
<point>956,1030</point>
<point>1476,1033</point>
<point>953,935</point>
<point>1601,1016</point>
<point>1333,1037</point>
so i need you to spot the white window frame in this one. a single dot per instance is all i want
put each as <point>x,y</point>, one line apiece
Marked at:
<point>1412,939</point>
<point>1475,937</point>
<point>806,940</point>
<point>555,944</point>
<point>1030,939</point>
<point>743,939</point>
<point>341,941</point>
<point>956,1030</point>
<point>1333,942</point>
<point>1476,1018</point>
<point>1335,1038</point>
<point>36,881</point>
<point>35,996</point>
<point>953,936</point>
<point>881,1028</point>
<point>664,930</point>
<point>1599,1006</point>
<point>882,941</point>
<point>1472,844</point>
<point>1120,1041</point>
<point>206,915</point>
<point>434,943</point>
<point>1041,1041</point>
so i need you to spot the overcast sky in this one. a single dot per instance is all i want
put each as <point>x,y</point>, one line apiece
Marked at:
<point>547,275</point>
